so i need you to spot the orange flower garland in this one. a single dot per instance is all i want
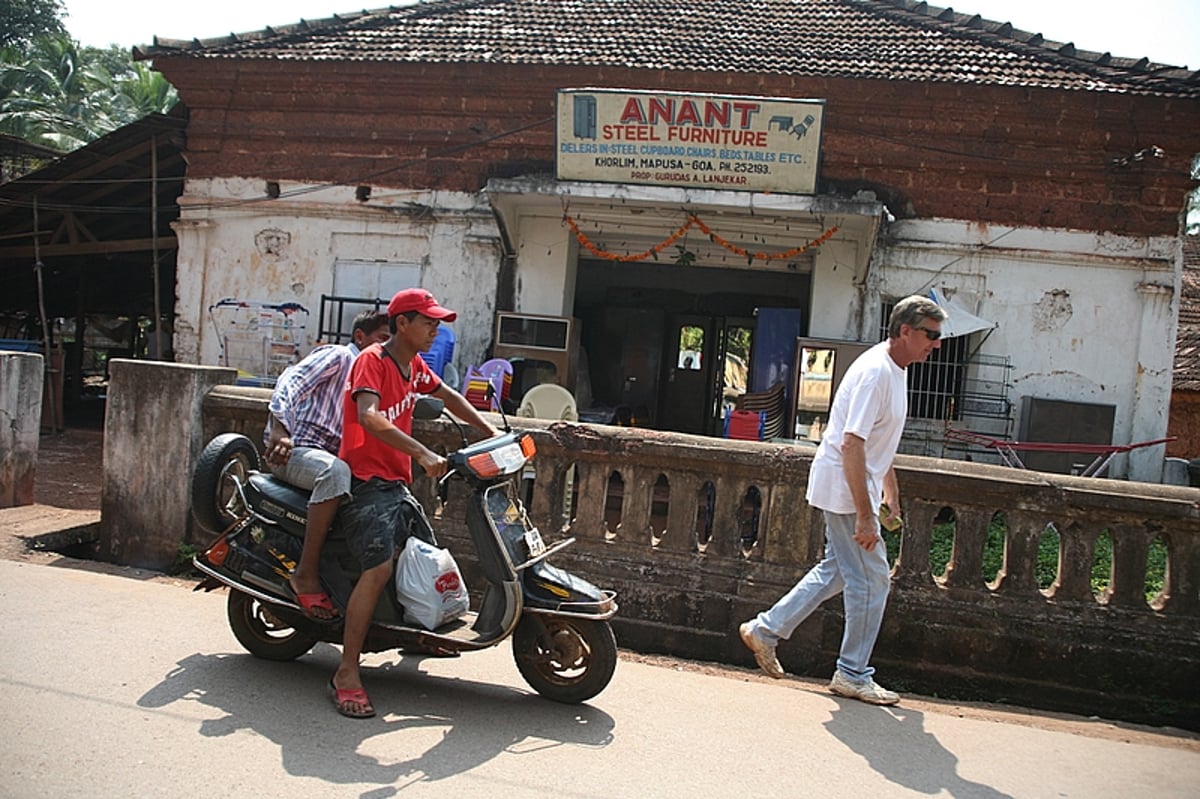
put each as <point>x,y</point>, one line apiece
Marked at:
<point>693,220</point>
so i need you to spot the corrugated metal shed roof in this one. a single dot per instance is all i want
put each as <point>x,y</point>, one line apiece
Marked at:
<point>862,39</point>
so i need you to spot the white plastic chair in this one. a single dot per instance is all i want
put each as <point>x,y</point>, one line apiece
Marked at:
<point>549,401</point>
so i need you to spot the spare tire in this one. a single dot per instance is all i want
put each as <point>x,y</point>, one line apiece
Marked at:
<point>215,498</point>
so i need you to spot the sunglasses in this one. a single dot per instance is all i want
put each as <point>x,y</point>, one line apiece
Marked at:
<point>932,335</point>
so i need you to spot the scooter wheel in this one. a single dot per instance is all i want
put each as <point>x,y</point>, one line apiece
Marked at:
<point>227,457</point>
<point>566,660</point>
<point>263,635</point>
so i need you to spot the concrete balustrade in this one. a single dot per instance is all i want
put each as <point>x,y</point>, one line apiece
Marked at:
<point>954,634</point>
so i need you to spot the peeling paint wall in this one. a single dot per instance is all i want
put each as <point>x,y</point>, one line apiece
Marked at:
<point>1084,317</point>
<point>234,242</point>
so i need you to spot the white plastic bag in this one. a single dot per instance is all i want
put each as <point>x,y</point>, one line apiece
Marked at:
<point>429,585</point>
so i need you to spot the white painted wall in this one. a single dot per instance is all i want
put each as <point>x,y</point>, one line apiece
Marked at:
<point>837,310</point>
<point>1083,316</point>
<point>234,243</point>
<point>546,259</point>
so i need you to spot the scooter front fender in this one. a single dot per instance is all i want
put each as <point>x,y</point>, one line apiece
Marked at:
<point>549,589</point>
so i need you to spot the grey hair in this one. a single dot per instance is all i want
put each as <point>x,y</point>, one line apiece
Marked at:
<point>910,311</point>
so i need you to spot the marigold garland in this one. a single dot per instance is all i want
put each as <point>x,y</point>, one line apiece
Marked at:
<point>693,221</point>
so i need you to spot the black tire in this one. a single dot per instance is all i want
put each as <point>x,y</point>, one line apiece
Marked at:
<point>226,456</point>
<point>565,659</point>
<point>261,633</point>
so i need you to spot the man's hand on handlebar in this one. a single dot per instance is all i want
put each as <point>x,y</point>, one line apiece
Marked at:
<point>434,465</point>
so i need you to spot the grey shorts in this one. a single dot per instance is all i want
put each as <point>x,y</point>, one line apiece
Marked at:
<point>318,471</point>
<point>379,520</point>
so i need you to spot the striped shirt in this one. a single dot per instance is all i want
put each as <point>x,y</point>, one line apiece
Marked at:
<point>308,397</point>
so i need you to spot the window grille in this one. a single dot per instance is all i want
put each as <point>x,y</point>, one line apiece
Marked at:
<point>956,387</point>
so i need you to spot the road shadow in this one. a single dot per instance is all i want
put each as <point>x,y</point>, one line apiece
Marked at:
<point>288,704</point>
<point>894,743</point>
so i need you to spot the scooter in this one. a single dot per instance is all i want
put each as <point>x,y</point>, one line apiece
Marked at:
<point>562,641</point>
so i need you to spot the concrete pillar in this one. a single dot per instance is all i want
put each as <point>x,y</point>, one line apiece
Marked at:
<point>1152,390</point>
<point>20,417</point>
<point>153,433</point>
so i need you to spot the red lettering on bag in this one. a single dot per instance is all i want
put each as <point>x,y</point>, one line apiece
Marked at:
<point>446,582</point>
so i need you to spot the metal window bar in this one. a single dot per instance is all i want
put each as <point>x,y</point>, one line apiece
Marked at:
<point>332,325</point>
<point>959,387</point>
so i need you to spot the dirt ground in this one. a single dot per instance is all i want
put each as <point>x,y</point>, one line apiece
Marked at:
<point>69,470</point>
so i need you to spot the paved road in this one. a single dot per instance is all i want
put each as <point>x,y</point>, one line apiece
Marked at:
<point>115,686</point>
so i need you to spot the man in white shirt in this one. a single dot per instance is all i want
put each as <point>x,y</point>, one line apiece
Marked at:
<point>851,479</point>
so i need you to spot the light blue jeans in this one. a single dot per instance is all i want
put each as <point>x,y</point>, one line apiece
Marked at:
<point>862,577</point>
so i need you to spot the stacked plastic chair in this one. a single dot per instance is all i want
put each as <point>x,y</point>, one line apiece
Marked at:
<point>771,404</point>
<point>442,351</point>
<point>475,388</point>
<point>498,374</point>
<point>746,425</point>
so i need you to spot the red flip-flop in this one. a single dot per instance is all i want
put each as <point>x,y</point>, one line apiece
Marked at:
<point>342,697</point>
<point>320,600</point>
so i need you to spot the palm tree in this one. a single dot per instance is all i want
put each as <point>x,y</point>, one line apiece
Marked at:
<point>22,21</point>
<point>60,95</point>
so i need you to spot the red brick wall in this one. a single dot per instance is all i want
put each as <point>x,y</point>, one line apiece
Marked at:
<point>992,154</point>
<point>1184,421</point>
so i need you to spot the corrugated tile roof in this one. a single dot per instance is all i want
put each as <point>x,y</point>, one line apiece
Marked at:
<point>864,39</point>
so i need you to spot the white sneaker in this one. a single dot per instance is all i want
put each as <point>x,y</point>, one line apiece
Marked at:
<point>764,653</point>
<point>869,691</point>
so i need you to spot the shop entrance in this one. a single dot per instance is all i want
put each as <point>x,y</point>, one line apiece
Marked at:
<point>669,347</point>
<point>705,371</point>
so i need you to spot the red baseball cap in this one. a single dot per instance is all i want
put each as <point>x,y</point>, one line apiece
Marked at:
<point>422,302</point>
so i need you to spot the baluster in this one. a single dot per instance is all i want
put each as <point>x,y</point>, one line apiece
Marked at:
<point>681,515</point>
<point>593,490</point>
<point>1181,588</point>
<point>965,569</point>
<point>542,509</point>
<point>635,514</point>
<point>912,564</point>
<point>787,533</point>
<point>1077,551</point>
<point>660,509</point>
<point>1127,588</point>
<point>725,541</point>
<point>1018,574</point>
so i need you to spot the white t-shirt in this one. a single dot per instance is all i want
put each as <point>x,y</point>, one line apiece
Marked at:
<point>871,403</point>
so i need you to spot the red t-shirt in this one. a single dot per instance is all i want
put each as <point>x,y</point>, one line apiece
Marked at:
<point>377,372</point>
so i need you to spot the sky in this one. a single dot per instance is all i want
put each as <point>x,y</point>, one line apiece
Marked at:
<point>1165,31</point>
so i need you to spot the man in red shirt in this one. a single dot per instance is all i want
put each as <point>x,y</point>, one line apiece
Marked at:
<point>377,444</point>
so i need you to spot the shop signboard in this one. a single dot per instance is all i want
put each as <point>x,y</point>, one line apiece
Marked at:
<point>707,141</point>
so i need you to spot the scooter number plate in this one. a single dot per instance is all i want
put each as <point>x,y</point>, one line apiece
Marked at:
<point>533,540</point>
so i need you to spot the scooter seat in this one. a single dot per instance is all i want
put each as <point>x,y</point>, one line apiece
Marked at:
<point>271,490</point>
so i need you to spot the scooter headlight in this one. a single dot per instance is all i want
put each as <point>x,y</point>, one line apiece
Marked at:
<point>508,459</point>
